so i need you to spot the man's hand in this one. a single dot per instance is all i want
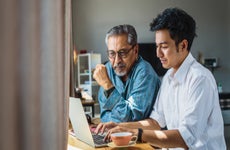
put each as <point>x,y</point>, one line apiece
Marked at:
<point>104,127</point>
<point>111,127</point>
<point>119,129</point>
<point>101,76</point>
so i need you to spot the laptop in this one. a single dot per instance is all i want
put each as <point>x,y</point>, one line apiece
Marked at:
<point>81,126</point>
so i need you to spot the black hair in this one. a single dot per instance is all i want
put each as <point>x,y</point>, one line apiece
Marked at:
<point>179,24</point>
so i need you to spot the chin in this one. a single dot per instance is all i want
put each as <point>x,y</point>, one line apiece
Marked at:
<point>165,66</point>
<point>120,74</point>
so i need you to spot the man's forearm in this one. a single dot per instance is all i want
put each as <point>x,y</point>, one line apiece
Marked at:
<point>164,138</point>
<point>149,124</point>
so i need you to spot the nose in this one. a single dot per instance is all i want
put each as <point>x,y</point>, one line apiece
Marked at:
<point>117,59</point>
<point>159,52</point>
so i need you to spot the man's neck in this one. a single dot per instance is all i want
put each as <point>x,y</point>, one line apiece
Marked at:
<point>124,78</point>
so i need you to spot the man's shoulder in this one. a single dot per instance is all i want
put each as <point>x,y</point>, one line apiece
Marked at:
<point>199,73</point>
<point>199,70</point>
<point>143,65</point>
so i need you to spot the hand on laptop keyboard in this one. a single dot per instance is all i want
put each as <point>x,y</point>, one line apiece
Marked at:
<point>100,135</point>
<point>99,139</point>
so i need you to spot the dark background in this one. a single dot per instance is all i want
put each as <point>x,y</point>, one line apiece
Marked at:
<point>148,52</point>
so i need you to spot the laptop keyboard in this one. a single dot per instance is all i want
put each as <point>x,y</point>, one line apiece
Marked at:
<point>98,139</point>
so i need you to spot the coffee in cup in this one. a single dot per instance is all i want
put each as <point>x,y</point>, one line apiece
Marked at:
<point>123,138</point>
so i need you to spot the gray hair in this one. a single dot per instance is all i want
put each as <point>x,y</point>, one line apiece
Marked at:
<point>123,29</point>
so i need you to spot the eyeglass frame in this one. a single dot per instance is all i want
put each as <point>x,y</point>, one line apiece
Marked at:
<point>122,53</point>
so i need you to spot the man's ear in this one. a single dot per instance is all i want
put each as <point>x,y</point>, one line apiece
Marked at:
<point>184,45</point>
<point>136,48</point>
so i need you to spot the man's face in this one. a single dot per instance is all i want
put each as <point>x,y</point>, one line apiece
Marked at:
<point>169,54</point>
<point>121,55</point>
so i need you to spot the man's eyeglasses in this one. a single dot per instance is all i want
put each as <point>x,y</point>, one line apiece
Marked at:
<point>123,53</point>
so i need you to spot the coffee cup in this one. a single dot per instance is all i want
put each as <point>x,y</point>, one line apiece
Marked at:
<point>123,138</point>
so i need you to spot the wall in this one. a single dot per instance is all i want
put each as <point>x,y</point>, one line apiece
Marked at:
<point>93,18</point>
<point>228,25</point>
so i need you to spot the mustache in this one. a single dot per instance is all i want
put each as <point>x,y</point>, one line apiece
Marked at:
<point>119,65</point>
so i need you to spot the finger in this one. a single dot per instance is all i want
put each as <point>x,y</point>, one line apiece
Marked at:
<point>103,128</point>
<point>98,128</point>
<point>108,136</point>
<point>113,130</point>
<point>98,66</point>
<point>95,71</point>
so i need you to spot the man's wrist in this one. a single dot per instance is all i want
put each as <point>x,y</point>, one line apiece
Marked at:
<point>109,91</point>
<point>139,134</point>
<point>108,86</point>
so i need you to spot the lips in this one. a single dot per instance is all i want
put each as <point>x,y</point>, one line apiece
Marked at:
<point>163,61</point>
<point>119,68</point>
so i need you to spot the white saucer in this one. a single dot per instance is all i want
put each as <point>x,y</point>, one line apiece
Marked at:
<point>111,144</point>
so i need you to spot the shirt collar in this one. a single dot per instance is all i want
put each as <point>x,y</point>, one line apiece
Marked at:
<point>182,71</point>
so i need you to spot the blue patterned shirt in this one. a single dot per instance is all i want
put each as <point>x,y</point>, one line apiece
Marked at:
<point>131,100</point>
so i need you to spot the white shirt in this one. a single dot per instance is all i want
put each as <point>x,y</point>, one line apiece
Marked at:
<point>189,102</point>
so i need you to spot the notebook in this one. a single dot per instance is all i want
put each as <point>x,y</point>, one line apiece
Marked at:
<point>80,124</point>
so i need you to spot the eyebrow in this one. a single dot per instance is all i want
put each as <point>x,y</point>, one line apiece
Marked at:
<point>163,42</point>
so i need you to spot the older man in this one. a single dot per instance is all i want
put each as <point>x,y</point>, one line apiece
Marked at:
<point>129,84</point>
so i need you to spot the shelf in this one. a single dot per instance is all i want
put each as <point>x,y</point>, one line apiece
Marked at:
<point>224,100</point>
<point>84,74</point>
<point>93,83</point>
<point>212,68</point>
<point>86,63</point>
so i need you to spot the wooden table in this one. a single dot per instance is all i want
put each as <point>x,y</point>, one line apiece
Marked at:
<point>73,141</point>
